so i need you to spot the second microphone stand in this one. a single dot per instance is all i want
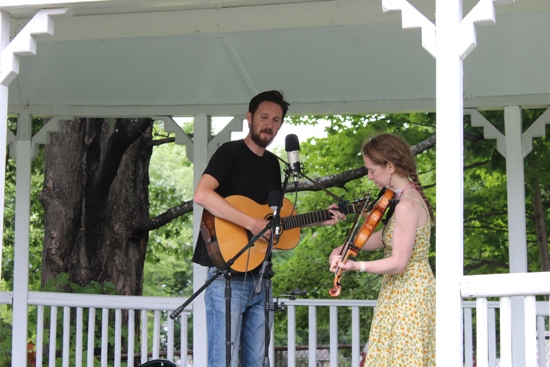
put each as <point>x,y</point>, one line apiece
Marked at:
<point>266,272</point>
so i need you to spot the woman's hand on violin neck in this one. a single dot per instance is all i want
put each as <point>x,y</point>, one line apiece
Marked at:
<point>336,252</point>
<point>334,260</point>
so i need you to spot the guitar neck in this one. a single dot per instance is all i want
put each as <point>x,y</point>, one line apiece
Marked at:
<point>302,220</point>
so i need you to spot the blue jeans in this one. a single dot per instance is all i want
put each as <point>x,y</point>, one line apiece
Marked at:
<point>247,321</point>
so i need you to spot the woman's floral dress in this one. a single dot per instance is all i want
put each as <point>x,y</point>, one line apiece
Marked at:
<point>403,328</point>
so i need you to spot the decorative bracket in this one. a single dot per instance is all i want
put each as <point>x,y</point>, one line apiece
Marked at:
<point>536,130</point>
<point>482,13</point>
<point>181,137</point>
<point>236,124</point>
<point>43,136</point>
<point>489,131</point>
<point>24,43</point>
<point>412,18</point>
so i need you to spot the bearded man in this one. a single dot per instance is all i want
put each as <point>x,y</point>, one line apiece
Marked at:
<point>243,167</point>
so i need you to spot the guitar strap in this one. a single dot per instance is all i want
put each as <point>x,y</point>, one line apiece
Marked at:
<point>208,239</point>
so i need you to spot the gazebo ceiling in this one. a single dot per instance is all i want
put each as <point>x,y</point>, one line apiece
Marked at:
<point>178,57</point>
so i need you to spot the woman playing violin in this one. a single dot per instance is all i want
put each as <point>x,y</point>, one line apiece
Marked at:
<point>403,327</point>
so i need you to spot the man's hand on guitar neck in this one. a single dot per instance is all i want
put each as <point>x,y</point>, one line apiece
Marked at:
<point>337,216</point>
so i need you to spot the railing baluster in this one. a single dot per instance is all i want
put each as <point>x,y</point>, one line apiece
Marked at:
<point>79,331</point>
<point>333,336</point>
<point>156,334</point>
<point>104,336</point>
<point>91,337</point>
<point>312,336</point>
<point>131,337</point>
<point>118,336</point>
<point>481,333</point>
<point>170,340</point>
<point>53,334</point>
<point>505,332</point>
<point>66,335</point>
<point>530,331</point>
<point>39,334</point>
<point>355,335</point>
<point>291,313</point>
<point>144,328</point>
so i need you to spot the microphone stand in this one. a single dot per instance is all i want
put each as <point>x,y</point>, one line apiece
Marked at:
<point>228,275</point>
<point>319,186</point>
<point>268,273</point>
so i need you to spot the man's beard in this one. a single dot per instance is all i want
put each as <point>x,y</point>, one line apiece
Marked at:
<point>256,137</point>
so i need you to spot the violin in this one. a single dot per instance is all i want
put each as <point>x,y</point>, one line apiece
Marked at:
<point>372,213</point>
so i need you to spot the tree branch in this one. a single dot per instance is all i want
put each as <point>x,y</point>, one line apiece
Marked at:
<point>480,263</point>
<point>149,224</point>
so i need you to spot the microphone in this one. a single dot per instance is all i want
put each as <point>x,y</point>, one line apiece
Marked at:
<point>292,147</point>
<point>273,200</point>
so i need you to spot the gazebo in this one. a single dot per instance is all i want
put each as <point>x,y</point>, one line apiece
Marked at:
<point>115,58</point>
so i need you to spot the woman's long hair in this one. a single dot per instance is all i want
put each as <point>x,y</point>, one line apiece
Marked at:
<point>385,148</point>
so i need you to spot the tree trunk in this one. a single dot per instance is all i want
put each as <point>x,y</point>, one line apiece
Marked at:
<point>540,228</point>
<point>95,198</point>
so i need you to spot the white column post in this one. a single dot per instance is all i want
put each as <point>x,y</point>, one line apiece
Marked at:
<point>515,181</point>
<point>4,41</point>
<point>517,239</point>
<point>449,191</point>
<point>202,127</point>
<point>22,230</point>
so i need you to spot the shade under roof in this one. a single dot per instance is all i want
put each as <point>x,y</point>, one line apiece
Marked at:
<point>345,56</point>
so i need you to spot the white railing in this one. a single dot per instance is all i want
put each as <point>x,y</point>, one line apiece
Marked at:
<point>111,322</point>
<point>525,286</point>
<point>99,327</point>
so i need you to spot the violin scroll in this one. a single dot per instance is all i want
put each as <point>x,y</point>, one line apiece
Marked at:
<point>335,291</point>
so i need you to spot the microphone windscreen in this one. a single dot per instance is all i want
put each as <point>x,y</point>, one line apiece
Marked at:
<point>274,198</point>
<point>292,143</point>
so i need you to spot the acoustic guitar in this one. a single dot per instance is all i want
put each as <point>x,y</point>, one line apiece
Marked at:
<point>225,239</point>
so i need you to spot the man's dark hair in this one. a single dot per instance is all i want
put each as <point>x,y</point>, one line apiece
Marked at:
<point>274,96</point>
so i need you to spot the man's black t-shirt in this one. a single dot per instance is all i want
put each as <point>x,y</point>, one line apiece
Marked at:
<point>239,171</point>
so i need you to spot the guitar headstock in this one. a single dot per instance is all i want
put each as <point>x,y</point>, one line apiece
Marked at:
<point>356,206</point>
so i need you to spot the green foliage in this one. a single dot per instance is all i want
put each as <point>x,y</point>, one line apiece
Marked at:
<point>167,271</point>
